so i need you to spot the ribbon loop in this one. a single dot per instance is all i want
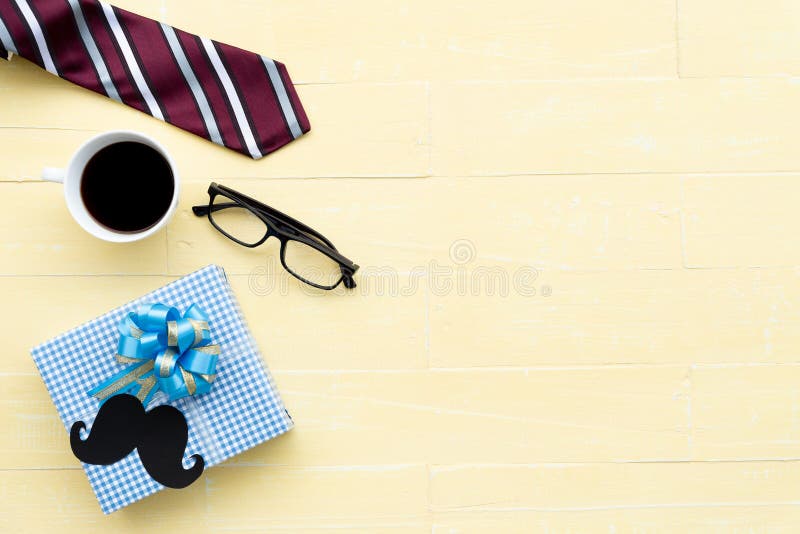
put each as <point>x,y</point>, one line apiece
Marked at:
<point>164,351</point>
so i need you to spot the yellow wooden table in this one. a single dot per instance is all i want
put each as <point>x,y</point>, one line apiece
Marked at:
<point>579,303</point>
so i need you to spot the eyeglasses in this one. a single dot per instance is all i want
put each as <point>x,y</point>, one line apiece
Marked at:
<point>305,253</point>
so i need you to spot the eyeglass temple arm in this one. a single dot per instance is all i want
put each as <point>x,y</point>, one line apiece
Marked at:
<point>202,211</point>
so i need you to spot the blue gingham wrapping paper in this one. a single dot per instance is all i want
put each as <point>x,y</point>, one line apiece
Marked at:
<point>242,410</point>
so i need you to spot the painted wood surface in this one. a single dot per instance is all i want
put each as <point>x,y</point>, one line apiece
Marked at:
<point>579,303</point>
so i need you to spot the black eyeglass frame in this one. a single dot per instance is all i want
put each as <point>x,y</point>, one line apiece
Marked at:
<point>281,226</point>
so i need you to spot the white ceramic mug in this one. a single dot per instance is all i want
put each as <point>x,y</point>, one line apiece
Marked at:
<point>71,178</point>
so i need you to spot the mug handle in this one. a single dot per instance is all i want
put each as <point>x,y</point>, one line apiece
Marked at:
<point>53,174</point>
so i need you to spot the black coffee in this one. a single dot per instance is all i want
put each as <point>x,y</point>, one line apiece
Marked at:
<point>127,187</point>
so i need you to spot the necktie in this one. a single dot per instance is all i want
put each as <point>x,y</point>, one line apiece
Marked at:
<point>235,98</point>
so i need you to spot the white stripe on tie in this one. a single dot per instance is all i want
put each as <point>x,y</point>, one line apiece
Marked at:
<point>94,52</point>
<point>6,40</point>
<point>283,97</point>
<point>233,98</point>
<point>38,36</point>
<point>194,85</point>
<point>130,59</point>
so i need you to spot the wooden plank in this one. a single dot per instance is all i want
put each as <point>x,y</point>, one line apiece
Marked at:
<point>35,436</point>
<point>614,126</point>
<point>379,224</point>
<point>740,221</point>
<point>689,520</point>
<point>554,222</point>
<point>395,227</point>
<point>739,38</point>
<point>257,497</point>
<point>278,499</point>
<point>299,330</point>
<point>745,412</point>
<point>493,40</point>
<point>635,485</point>
<point>649,384</point>
<point>45,307</point>
<point>35,148</point>
<point>357,130</point>
<point>71,506</point>
<point>420,417</point>
<point>619,316</point>
<point>38,236</point>
<point>454,417</point>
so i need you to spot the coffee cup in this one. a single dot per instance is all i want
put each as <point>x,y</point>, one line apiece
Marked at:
<point>120,186</point>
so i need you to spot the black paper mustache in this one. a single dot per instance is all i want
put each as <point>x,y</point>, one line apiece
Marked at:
<point>159,435</point>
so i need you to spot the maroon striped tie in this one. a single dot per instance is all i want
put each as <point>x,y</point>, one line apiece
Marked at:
<point>233,97</point>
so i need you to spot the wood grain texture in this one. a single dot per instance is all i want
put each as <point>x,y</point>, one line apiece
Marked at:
<point>739,38</point>
<point>415,39</point>
<point>382,132</point>
<point>709,519</point>
<point>49,241</point>
<point>612,317</point>
<point>410,226</point>
<point>269,495</point>
<point>577,308</point>
<point>355,418</point>
<point>756,214</point>
<point>631,126</point>
<point>72,507</point>
<point>639,485</point>
<point>46,306</point>
<point>747,411</point>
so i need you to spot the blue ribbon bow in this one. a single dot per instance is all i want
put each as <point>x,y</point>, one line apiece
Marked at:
<point>163,351</point>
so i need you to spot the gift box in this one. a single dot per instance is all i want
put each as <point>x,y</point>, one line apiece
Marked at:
<point>243,409</point>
